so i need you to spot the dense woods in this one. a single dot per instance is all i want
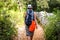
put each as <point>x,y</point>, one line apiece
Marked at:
<point>12,12</point>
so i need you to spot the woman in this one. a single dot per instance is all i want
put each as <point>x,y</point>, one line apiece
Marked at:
<point>31,12</point>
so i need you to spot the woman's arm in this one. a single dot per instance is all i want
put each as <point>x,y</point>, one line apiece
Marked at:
<point>24,17</point>
<point>25,14</point>
<point>35,19</point>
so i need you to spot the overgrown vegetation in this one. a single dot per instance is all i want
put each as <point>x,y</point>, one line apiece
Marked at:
<point>7,28</point>
<point>12,11</point>
<point>52,29</point>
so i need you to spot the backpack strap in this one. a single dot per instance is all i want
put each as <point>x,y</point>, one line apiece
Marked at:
<point>32,13</point>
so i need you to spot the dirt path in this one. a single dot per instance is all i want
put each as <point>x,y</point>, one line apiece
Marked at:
<point>38,34</point>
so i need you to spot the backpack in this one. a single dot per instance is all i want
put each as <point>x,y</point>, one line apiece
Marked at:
<point>32,26</point>
<point>29,17</point>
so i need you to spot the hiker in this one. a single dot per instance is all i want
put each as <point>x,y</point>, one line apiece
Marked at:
<point>30,19</point>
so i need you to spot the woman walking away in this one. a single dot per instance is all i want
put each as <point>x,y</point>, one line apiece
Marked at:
<point>30,22</point>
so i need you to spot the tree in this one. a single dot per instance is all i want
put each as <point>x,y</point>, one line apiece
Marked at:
<point>42,4</point>
<point>53,4</point>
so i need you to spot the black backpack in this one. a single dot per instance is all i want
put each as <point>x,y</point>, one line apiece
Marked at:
<point>29,17</point>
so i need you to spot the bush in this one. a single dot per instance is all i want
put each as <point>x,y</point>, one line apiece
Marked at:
<point>52,29</point>
<point>7,29</point>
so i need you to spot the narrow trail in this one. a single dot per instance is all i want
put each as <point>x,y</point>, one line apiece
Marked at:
<point>38,34</point>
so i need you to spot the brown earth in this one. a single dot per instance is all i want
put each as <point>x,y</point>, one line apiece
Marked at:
<point>38,34</point>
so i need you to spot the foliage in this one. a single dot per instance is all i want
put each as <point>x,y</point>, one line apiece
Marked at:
<point>53,4</point>
<point>7,29</point>
<point>52,29</point>
<point>11,13</point>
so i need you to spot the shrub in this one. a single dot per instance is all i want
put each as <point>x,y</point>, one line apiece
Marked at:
<point>52,29</point>
<point>7,29</point>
